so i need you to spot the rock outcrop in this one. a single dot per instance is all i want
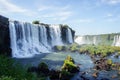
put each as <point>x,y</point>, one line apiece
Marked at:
<point>4,36</point>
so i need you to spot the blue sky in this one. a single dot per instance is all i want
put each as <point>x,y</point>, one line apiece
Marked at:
<point>84,16</point>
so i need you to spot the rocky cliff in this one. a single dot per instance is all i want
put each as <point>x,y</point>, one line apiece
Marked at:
<point>4,36</point>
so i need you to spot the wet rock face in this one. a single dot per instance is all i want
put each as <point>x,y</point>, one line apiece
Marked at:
<point>73,34</point>
<point>64,34</point>
<point>4,36</point>
<point>106,64</point>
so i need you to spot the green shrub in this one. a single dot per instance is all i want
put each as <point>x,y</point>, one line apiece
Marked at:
<point>100,50</point>
<point>10,68</point>
<point>65,26</point>
<point>36,22</point>
<point>43,65</point>
<point>70,59</point>
<point>58,48</point>
<point>73,47</point>
<point>65,75</point>
<point>69,65</point>
<point>43,69</point>
<point>109,61</point>
<point>6,78</point>
<point>119,53</point>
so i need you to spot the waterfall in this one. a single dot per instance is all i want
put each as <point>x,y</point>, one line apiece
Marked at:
<point>28,39</point>
<point>55,32</point>
<point>80,40</point>
<point>85,40</point>
<point>13,41</point>
<point>69,34</point>
<point>94,40</point>
<point>88,40</point>
<point>43,35</point>
<point>116,41</point>
<point>25,39</point>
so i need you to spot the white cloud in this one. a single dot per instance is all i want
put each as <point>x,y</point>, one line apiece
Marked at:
<point>42,8</point>
<point>6,6</point>
<point>61,16</point>
<point>55,12</point>
<point>86,20</point>
<point>52,8</point>
<point>112,2</point>
<point>64,15</point>
<point>110,20</point>
<point>109,15</point>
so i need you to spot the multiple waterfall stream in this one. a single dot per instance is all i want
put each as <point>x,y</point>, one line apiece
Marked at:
<point>28,39</point>
<point>86,40</point>
<point>116,41</point>
<point>98,40</point>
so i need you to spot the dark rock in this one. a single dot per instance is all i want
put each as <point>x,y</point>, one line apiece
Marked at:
<point>83,77</point>
<point>114,76</point>
<point>104,79</point>
<point>48,34</point>
<point>116,56</point>
<point>64,34</point>
<point>43,68</point>
<point>32,69</point>
<point>103,64</point>
<point>95,74</point>
<point>4,36</point>
<point>54,75</point>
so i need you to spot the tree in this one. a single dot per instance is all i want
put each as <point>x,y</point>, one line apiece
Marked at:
<point>66,26</point>
<point>36,22</point>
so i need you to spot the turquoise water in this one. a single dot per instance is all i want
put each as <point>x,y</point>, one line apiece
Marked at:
<point>83,60</point>
<point>56,60</point>
<point>112,57</point>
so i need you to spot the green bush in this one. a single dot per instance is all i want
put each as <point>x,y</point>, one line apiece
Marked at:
<point>6,78</point>
<point>74,47</point>
<point>43,65</point>
<point>59,48</point>
<point>69,65</point>
<point>65,75</point>
<point>109,61</point>
<point>36,22</point>
<point>70,59</point>
<point>100,50</point>
<point>65,26</point>
<point>43,69</point>
<point>10,68</point>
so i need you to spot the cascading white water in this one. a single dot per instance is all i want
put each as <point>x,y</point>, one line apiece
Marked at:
<point>43,35</point>
<point>28,39</point>
<point>69,34</point>
<point>116,41</point>
<point>55,32</point>
<point>13,41</point>
<point>94,40</point>
<point>85,40</point>
<point>25,40</point>
<point>80,40</point>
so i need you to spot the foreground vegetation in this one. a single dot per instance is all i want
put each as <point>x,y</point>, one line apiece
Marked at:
<point>11,70</point>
